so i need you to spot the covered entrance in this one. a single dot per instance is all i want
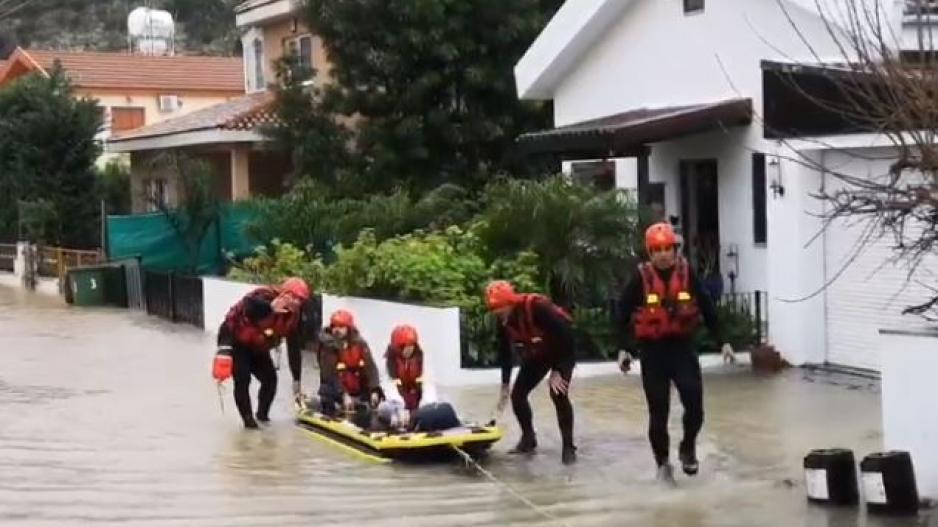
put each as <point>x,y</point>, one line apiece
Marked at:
<point>700,215</point>
<point>631,134</point>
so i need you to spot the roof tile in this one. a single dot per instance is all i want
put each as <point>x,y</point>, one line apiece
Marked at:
<point>126,71</point>
<point>243,113</point>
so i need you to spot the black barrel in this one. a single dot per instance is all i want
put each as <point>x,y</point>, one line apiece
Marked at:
<point>889,483</point>
<point>831,476</point>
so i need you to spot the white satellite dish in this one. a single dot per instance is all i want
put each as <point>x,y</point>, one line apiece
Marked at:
<point>151,31</point>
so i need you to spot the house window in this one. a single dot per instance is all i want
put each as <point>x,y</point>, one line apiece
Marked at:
<point>127,118</point>
<point>301,50</point>
<point>760,221</point>
<point>693,6</point>
<point>155,190</point>
<point>599,174</point>
<point>259,83</point>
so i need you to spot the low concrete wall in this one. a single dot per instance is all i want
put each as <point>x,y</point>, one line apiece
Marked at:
<point>909,361</point>
<point>44,286</point>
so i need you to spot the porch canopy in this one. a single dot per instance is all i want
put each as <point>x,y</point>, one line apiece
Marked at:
<point>627,134</point>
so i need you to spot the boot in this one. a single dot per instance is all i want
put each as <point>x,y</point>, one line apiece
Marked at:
<point>527,445</point>
<point>264,419</point>
<point>666,474</point>
<point>568,457</point>
<point>689,462</point>
<point>250,424</point>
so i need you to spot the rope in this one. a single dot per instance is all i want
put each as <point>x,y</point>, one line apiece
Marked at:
<point>530,504</point>
<point>221,397</point>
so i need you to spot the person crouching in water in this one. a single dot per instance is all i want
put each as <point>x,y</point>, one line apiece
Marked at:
<point>348,374</point>
<point>664,302</point>
<point>542,333</point>
<point>255,325</point>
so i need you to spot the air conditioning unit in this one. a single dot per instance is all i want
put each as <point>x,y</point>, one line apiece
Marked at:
<point>169,103</point>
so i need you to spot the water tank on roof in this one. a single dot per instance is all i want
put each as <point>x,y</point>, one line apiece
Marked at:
<point>151,31</point>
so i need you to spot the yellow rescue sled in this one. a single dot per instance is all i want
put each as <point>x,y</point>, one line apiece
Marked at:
<point>405,446</point>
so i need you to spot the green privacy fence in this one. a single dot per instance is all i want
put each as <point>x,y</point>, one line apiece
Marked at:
<point>152,238</point>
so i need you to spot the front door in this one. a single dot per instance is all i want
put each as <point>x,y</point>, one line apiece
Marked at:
<point>700,218</point>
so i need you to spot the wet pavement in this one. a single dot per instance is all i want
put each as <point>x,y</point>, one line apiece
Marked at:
<point>110,417</point>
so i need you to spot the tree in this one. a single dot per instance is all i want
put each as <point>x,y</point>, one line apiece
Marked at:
<point>880,88</point>
<point>113,187</point>
<point>198,206</point>
<point>431,85</point>
<point>316,141</point>
<point>47,152</point>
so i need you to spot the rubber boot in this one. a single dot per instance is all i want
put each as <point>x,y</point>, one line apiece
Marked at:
<point>527,445</point>
<point>568,457</point>
<point>666,474</point>
<point>689,462</point>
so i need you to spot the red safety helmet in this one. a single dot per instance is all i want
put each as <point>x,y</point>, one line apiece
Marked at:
<point>342,319</point>
<point>499,294</point>
<point>660,236</point>
<point>403,336</point>
<point>297,287</point>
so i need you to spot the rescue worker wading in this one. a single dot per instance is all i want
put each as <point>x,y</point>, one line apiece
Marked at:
<point>405,366</point>
<point>255,325</point>
<point>348,374</point>
<point>541,333</point>
<point>662,305</point>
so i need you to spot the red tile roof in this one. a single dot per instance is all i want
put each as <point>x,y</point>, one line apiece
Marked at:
<point>125,71</point>
<point>244,113</point>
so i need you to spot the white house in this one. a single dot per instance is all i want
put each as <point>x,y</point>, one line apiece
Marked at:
<point>685,97</point>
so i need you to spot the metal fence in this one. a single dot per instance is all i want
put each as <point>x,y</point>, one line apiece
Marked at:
<point>174,297</point>
<point>754,306</point>
<point>54,262</point>
<point>7,256</point>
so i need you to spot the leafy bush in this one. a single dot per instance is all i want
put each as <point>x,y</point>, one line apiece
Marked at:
<point>271,265</point>
<point>738,326</point>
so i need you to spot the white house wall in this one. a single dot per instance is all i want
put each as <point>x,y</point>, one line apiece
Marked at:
<point>795,265</point>
<point>655,56</point>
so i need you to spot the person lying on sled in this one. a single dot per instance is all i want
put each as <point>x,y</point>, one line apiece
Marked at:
<point>348,374</point>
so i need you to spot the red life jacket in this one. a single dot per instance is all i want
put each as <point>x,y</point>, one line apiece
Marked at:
<point>246,333</point>
<point>409,376</point>
<point>669,310</point>
<point>284,324</point>
<point>523,330</point>
<point>350,367</point>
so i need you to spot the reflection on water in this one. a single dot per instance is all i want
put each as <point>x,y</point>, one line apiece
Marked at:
<point>111,417</point>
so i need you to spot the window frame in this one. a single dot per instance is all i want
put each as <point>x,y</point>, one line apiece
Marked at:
<point>760,220</point>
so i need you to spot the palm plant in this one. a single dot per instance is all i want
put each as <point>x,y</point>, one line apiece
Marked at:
<point>585,238</point>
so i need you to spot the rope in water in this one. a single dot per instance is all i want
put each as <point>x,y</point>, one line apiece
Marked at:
<point>530,504</point>
<point>221,397</point>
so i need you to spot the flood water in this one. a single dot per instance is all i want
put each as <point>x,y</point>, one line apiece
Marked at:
<point>110,417</point>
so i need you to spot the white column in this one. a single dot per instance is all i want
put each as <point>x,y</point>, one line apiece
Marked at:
<point>240,174</point>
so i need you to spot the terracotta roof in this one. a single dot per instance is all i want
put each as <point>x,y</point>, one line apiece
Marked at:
<point>125,71</point>
<point>243,113</point>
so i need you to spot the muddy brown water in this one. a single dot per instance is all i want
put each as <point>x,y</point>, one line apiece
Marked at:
<point>109,417</point>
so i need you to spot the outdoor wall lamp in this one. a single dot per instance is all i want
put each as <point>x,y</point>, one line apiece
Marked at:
<point>778,189</point>
<point>733,255</point>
